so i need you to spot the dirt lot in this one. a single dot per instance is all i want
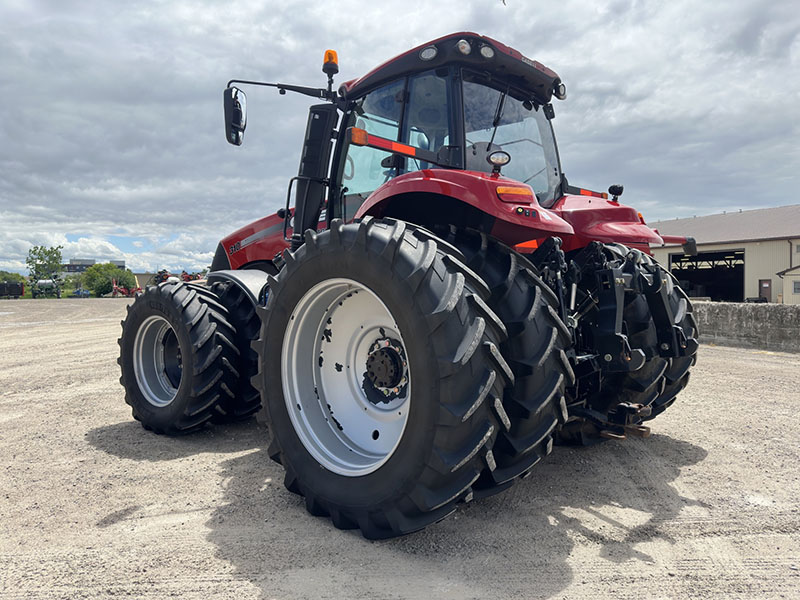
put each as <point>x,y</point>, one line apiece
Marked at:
<point>94,506</point>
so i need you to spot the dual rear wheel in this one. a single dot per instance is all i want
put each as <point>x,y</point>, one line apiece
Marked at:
<point>392,398</point>
<point>400,372</point>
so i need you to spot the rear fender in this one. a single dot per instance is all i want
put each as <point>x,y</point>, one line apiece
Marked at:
<point>465,198</point>
<point>252,282</point>
<point>606,221</point>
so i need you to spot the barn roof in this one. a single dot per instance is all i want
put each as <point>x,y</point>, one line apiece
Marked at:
<point>781,222</point>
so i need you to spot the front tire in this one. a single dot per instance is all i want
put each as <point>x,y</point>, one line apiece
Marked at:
<point>371,328</point>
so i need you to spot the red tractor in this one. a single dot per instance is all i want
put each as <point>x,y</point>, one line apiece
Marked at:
<point>437,307</point>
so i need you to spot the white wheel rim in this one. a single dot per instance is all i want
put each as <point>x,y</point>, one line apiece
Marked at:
<point>344,415</point>
<point>157,361</point>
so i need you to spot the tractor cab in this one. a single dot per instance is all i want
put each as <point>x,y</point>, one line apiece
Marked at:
<point>451,117</point>
<point>462,102</point>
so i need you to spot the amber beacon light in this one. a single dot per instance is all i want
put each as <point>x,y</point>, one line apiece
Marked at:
<point>330,64</point>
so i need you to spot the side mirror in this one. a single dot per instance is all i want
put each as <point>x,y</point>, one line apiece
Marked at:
<point>235,103</point>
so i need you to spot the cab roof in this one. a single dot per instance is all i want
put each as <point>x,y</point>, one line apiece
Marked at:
<point>507,63</point>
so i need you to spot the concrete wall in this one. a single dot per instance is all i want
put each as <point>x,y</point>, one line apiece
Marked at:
<point>766,326</point>
<point>761,261</point>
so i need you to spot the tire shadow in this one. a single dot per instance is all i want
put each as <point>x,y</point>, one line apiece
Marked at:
<point>516,544</point>
<point>129,439</point>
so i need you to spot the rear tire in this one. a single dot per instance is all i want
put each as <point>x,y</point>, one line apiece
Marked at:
<point>535,349</point>
<point>676,374</point>
<point>177,357</point>
<point>431,309</point>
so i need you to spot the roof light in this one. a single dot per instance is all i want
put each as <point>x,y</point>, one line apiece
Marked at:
<point>560,91</point>
<point>428,53</point>
<point>464,47</point>
<point>487,51</point>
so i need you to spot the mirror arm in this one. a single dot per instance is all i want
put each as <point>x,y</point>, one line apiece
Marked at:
<point>283,88</point>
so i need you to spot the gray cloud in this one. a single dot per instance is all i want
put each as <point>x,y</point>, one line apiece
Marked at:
<point>111,121</point>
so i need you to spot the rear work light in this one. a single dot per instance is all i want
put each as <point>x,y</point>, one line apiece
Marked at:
<point>515,194</point>
<point>428,53</point>
<point>499,158</point>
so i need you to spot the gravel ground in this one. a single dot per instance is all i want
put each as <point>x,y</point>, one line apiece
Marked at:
<point>94,506</point>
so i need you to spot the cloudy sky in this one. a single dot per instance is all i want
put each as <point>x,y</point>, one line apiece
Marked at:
<point>111,128</point>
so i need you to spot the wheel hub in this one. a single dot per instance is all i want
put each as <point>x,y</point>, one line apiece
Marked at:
<point>157,361</point>
<point>173,362</point>
<point>386,368</point>
<point>345,376</point>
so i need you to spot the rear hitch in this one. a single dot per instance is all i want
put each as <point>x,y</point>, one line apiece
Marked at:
<point>672,341</point>
<point>617,433</point>
<point>623,420</point>
<point>641,431</point>
<point>616,354</point>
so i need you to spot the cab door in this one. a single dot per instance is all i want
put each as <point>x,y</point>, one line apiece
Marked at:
<point>414,111</point>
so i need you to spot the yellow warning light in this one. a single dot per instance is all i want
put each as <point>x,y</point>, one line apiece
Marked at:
<point>330,64</point>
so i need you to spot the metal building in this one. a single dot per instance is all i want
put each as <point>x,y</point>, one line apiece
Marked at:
<point>744,255</point>
<point>79,265</point>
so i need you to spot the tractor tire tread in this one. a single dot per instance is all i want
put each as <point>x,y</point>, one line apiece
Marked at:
<point>461,329</point>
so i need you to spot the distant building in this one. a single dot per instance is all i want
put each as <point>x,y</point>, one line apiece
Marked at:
<point>79,265</point>
<point>751,254</point>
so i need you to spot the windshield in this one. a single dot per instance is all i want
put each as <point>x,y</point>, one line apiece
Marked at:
<point>502,118</point>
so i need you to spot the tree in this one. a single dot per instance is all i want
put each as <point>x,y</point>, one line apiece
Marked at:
<point>11,277</point>
<point>98,278</point>
<point>73,281</point>
<point>44,263</point>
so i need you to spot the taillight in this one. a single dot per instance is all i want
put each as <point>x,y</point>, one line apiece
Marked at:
<point>515,193</point>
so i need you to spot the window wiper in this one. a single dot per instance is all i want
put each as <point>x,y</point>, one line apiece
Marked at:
<point>498,114</point>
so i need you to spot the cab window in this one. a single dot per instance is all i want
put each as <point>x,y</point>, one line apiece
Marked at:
<point>427,123</point>
<point>498,117</point>
<point>378,113</point>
